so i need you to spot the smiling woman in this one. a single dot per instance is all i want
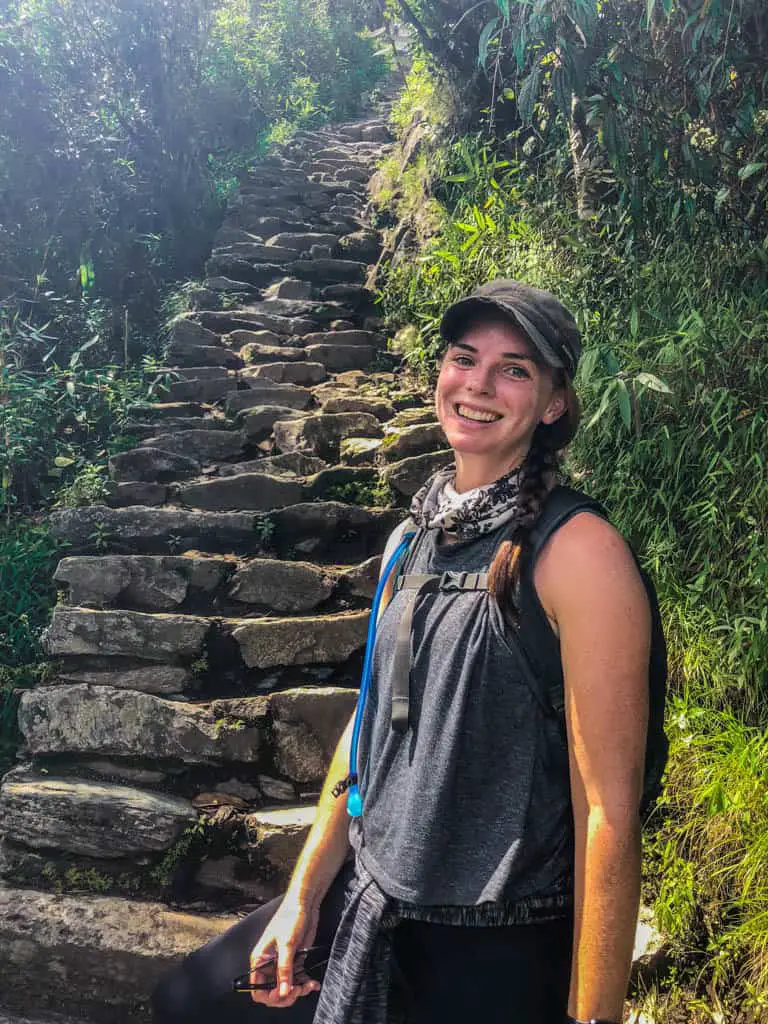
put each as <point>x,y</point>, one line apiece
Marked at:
<point>498,766</point>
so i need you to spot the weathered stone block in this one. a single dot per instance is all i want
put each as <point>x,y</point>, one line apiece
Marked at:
<point>408,476</point>
<point>257,491</point>
<point>148,529</point>
<point>92,819</point>
<point>108,953</point>
<point>152,463</point>
<point>258,421</point>
<point>150,678</point>
<point>278,835</point>
<point>204,445</point>
<point>82,719</point>
<point>378,407</point>
<point>265,391</point>
<point>301,373</point>
<point>330,639</point>
<point>153,582</point>
<point>341,357</point>
<point>171,638</point>
<point>306,726</point>
<point>282,586</point>
<point>413,440</point>
<point>323,432</point>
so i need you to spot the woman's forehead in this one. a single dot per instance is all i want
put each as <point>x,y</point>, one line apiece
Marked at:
<point>497,337</point>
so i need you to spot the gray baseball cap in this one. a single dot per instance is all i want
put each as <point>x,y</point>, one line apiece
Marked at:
<point>537,313</point>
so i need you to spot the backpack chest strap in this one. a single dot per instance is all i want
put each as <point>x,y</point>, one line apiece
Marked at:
<point>416,585</point>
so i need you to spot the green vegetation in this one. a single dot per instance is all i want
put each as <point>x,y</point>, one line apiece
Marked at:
<point>565,163</point>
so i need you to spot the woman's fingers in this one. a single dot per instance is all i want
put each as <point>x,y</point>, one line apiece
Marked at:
<point>285,956</point>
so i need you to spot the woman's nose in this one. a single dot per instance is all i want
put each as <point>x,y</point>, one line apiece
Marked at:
<point>480,379</point>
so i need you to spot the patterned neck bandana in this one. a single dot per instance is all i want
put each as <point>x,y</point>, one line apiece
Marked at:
<point>438,505</point>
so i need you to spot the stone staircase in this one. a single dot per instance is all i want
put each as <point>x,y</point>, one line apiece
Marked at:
<point>213,612</point>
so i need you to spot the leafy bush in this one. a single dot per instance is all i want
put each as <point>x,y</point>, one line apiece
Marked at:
<point>672,382</point>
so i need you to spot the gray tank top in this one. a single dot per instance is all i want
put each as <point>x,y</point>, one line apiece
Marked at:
<point>472,803</point>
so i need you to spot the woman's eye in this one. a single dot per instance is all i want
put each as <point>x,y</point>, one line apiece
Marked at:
<point>462,360</point>
<point>515,371</point>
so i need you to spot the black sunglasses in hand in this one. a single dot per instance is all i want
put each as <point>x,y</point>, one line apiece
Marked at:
<point>306,960</point>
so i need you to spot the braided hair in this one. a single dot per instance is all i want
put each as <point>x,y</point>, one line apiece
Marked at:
<point>539,474</point>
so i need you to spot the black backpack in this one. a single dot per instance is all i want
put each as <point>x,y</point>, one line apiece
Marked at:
<point>560,505</point>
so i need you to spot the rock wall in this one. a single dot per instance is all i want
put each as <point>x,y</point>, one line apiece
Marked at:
<point>213,612</point>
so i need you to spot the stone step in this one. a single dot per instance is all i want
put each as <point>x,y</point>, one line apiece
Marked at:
<point>173,639</point>
<point>145,429</point>
<point>246,319</point>
<point>408,475</point>
<point>257,492</point>
<point>157,583</point>
<point>287,464</point>
<point>76,816</point>
<point>320,312</point>
<point>321,433</point>
<point>151,464</point>
<point>265,391</point>
<point>325,530</point>
<point>418,439</point>
<point>166,410</point>
<point>201,356</point>
<point>301,241</point>
<point>259,421</point>
<point>325,639</point>
<point>289,288</point>
<point>254,353</point>
<point>340,402</point>
<point>202,445</point>
<point>109,953</point>
<point>343,337</point>
<point>166,583</point>
<point>327,271</point>
<point>203,389</point>
<point>304,374</point>
<point>232,288</point>
<point>80,719</point>
<point>338,358</point>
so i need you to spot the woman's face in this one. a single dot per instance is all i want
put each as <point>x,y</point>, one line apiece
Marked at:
<point>490,397</point>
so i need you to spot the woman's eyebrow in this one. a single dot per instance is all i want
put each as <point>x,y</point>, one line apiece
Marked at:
<point>506,355</point>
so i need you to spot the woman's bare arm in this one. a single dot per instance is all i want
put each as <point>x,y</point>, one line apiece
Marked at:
<point>587,578</point>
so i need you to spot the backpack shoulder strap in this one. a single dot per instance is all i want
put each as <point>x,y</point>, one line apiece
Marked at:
<point>560,505</point>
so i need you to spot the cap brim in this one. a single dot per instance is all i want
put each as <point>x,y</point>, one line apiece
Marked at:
<point>456,316</point>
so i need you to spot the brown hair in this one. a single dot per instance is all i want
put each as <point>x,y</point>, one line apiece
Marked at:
<point>537,478</point>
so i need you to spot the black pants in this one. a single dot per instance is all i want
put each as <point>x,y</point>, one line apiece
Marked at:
<point>451,974</point>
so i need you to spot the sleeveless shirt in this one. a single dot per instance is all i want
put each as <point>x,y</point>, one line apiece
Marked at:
<point>472,804</point>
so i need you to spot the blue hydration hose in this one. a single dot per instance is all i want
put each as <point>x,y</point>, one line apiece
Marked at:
<point>354,798</point>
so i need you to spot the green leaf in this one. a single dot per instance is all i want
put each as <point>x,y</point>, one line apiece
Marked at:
<point>634,322</point>
<point>721,197</point>
<point>605,401</point>
<point>611,362</point>
<point>649,6</point>
<point>503,6</point>
<point>562,92</point>
<point>485,38</point>
<point>749,169</point>
<point>528,94</point>
<point>625,405</point>
<point>62,461</point>
<point>649,380</point>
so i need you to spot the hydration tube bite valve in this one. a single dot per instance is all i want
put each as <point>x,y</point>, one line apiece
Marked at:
<point>350,784</point>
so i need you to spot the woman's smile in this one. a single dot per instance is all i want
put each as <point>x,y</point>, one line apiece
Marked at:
<point>473,414</point>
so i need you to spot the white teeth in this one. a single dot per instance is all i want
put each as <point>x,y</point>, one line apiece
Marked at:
<point>476,414</point>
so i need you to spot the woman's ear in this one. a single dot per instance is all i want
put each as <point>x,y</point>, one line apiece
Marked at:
<point>556,408</point>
